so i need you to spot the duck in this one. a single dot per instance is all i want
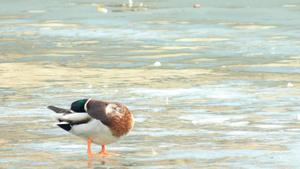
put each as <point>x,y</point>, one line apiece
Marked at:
<point>96,121</point>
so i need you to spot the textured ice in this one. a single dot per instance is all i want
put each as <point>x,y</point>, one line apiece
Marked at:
<point>270,126</point>
<point>204,119</point>
<point>202,92</point>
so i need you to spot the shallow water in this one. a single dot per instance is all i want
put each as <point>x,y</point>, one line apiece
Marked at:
<point>225,94</point>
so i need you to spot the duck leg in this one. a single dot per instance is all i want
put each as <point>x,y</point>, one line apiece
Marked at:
<point>102,153</point>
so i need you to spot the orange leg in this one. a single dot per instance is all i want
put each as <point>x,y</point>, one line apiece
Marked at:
<point>102,153</point>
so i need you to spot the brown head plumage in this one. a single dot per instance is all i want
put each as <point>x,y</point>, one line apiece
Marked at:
<point>112,114</point>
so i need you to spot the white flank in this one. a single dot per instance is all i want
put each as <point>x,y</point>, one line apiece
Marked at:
<point>95,130</point>
<point>70,117</point>
<point>74,117</point>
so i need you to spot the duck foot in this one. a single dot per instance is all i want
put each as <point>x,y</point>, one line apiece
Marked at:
<point>102,153</point>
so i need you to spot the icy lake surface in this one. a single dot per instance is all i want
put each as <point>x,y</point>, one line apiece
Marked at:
<point>210,87</point>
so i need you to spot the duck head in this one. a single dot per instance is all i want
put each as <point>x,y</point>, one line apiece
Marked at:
<point>78,106</point>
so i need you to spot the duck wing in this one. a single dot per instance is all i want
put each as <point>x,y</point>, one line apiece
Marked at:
<point>67,118</point>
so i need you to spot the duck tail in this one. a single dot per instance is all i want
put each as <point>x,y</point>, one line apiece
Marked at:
<point>59,113</point>
<point>59,110</point>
